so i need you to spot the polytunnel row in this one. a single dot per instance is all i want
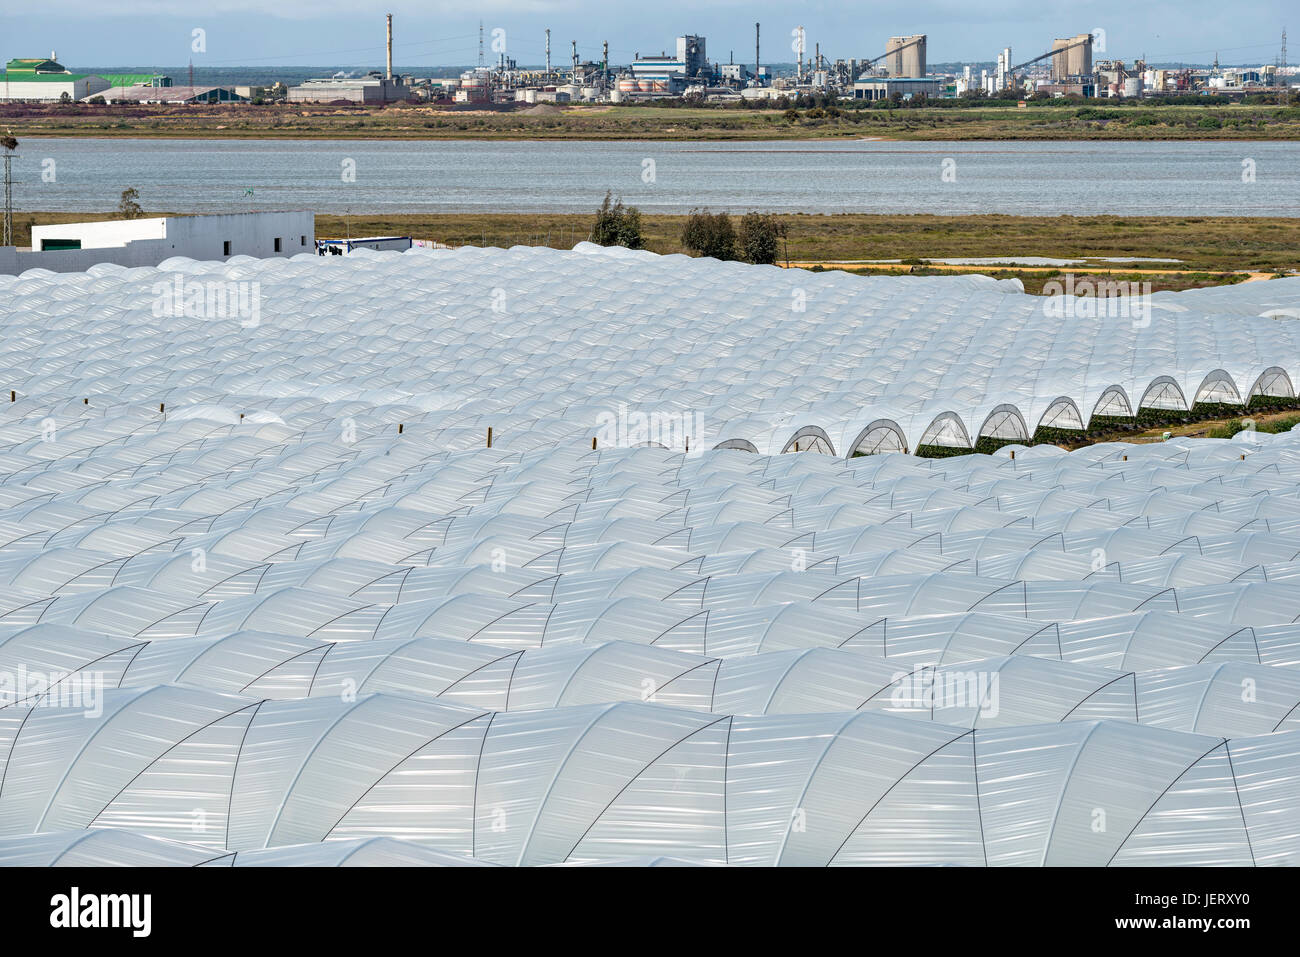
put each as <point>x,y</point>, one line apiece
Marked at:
<point>918,677</point>
<point>170,465</point>
<point>696,627</point>
<point>716,516</point>
<point>1143,640</point>
<point>643,779</point>
<point>1169,560</point>
<point>759,358</point>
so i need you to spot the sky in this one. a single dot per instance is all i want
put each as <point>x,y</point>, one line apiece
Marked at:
<point>437,33</point>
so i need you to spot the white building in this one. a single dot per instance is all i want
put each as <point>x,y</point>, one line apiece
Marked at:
<point>74,247</point>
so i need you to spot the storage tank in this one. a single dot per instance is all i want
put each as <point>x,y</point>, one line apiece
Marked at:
<point>617,96</point>
<point>646,86</point>
<point>1133,86</point>
<point>627,84</point>
<point>590,92</point>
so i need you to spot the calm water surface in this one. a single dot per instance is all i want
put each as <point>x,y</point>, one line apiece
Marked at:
<point>1147,178</point>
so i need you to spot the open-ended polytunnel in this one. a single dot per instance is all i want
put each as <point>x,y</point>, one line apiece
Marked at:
<point>526,557</point>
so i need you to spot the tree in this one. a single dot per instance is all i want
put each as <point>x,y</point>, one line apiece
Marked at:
<point>759,235</point>
<point>710,234</point>
<point>617,225</point>
<point>129,207</point>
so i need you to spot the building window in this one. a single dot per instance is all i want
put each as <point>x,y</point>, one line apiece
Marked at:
<point>277,244</point>
<point>225,248</point>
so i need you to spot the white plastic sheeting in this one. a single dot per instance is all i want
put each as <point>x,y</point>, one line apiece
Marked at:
<point>302,637</point>
<point>721,353</point>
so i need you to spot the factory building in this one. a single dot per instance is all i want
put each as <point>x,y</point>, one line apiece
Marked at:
<point>690,51</point>
<point>144,93</point>
<point>666,74</point>
<point>883,88</point>
<point>905,56</point>
<point>370,89</point>
<point>47,81</point>
<point>1075,58</point>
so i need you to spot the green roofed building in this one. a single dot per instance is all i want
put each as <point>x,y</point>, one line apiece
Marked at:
<point>136,79</point>
<point>28,79</point>
<point>26,66</point>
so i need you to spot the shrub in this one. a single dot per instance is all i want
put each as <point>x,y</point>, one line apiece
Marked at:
<point>128,206</point>
<point>759,236</point>
<point>710,234</point>
<point>617,225</point>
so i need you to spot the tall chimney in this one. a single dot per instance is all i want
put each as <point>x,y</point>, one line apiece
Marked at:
<point>390,46</point>
<point>756,54</point>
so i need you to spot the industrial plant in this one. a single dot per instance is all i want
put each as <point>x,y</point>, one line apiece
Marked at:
<point>896,69</point>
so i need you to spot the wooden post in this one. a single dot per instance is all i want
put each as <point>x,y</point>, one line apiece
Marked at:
<point>13,396</point>
<point>162,406</point>
<point>688,443</point>
<point>399,428</point>
<point>489,445</point>
<point>1013,455</point>
<point>593,443</point>
<point>85,401</point>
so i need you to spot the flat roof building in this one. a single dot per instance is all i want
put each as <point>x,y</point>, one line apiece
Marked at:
<point>353,89</point>
<point>882,88</point>
<point>75,247</point>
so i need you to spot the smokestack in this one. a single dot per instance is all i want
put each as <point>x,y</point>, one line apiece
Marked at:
<point>756,58</point>
<point>390,46</point>
<point>548,51</point>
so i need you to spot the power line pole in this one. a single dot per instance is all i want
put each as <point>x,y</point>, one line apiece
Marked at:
<point>480,43</point>
<point>10,144</point>
<point>1285,96</point>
